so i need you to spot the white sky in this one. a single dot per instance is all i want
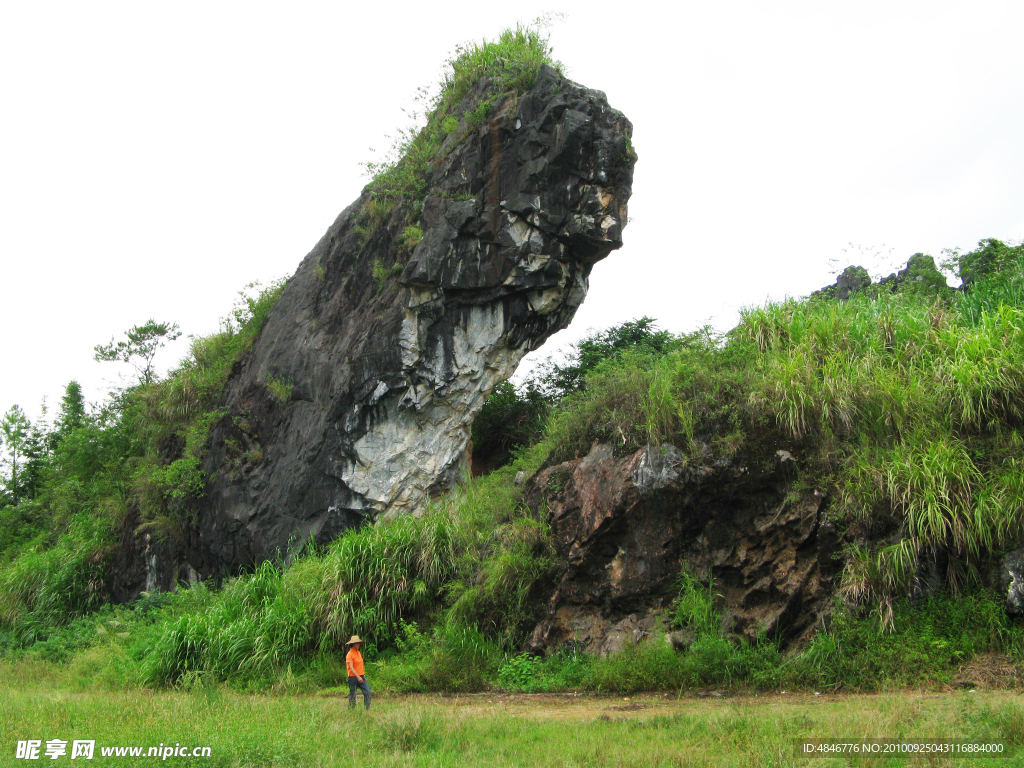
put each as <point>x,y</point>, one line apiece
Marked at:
<point>157,157</point>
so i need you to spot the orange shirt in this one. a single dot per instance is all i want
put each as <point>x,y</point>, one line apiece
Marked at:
<point>354,663</point>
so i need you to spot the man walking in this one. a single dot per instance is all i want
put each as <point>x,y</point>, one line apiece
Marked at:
<point>356,673</point>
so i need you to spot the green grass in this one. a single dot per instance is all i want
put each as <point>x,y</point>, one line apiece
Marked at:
<point>247,730</point>
<point>383,275</point>
<point>476,78</point>
<point>280,389</point>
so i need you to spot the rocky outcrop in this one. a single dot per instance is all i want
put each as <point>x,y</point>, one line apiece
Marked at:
<point>920,275</point>
<point>626,527</point>
<point>357,399</point>
<point>851,281</point>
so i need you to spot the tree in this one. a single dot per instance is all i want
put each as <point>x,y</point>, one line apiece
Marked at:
<point>72,410</point>
<point>15,430</point>
<point>140,348</point>
<point>990,258</point>
<point>640,336</point>
<point>511,418</point>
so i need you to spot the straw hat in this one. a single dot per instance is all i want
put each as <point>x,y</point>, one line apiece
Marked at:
<point>355,639</point>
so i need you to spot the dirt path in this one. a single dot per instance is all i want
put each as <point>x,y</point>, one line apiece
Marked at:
<point>588,707</point>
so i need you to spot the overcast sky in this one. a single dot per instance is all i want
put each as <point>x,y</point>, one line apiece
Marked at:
<point>157,157</point>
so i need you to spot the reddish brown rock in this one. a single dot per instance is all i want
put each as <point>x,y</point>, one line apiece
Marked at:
<point>626,526</point>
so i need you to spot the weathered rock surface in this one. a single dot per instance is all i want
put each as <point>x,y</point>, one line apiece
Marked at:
<point>1011,581</point>
<point>357,399</point>
<point>625,527</point>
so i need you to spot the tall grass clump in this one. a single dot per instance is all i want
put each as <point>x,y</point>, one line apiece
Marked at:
<point>905,403</point>
<point>253,627</point>
<point>509,67</point>
<point>477,553</point>
<point>928,641</point>
<point>45,586</point>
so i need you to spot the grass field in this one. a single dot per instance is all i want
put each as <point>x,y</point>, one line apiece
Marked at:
<point>697,729</point>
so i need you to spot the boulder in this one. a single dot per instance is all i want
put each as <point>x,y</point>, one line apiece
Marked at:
<point>920,275</point>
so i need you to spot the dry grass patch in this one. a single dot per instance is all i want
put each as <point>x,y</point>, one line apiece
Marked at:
<point>988,671</point>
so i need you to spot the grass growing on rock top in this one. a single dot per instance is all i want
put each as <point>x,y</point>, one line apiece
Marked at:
<point>510,64</point>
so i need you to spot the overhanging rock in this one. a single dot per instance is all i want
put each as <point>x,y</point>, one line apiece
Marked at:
<point>357,399</point>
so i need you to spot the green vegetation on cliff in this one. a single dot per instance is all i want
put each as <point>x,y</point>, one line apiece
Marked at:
<point>130,466</point>
<point>905,406</point>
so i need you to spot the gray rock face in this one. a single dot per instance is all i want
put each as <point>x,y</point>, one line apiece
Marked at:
<point>1012,581</point>
<point>356,401</point>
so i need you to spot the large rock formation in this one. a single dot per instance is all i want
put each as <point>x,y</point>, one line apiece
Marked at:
<point>626,526</point>
<point>358,396</point>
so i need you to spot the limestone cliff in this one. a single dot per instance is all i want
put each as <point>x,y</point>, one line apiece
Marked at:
<point>357,399</point>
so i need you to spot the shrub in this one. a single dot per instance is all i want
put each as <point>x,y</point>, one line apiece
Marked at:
<point>512,418</point>
<point>925,644</point>
<point>281,390</point>
<point>384,274</point>
<point>695,605</point>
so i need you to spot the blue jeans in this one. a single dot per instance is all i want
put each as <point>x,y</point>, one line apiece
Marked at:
<point>353,684</point>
